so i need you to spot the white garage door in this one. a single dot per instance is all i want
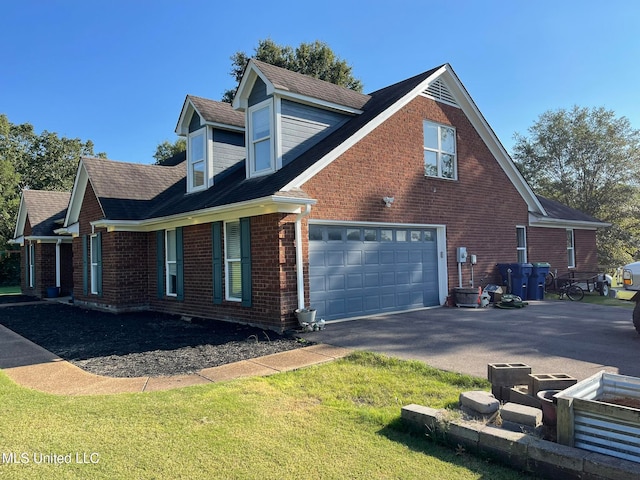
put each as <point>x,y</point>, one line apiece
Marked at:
<point>363,270</point>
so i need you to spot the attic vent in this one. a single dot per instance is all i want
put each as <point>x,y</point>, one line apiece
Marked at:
<point>439,91</point>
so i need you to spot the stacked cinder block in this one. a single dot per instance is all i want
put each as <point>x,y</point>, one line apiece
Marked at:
<point>514,382</point>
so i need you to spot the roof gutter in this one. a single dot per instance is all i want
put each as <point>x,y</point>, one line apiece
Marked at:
<point>538,221</point>
<point>259,206</point>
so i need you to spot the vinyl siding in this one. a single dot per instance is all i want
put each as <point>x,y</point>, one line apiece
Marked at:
<point>304,126</point>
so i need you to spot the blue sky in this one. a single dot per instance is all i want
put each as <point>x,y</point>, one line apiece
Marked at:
<point>116,72</point>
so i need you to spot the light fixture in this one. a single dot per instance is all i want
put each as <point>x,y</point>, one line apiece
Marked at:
<point>388,201</point>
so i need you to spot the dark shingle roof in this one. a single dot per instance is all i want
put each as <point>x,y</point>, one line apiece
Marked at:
<point>558,211</point>
<point>235,187</point>
<point>294,82</point>
<point>44,208</point>
<point>129,191</point>
<point>217,112</point>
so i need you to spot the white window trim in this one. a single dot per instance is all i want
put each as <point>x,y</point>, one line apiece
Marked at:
<point>207,161</point>
<point>524,247</point>
<point>31,252</point>
<point>93,266</point>
<point>572,248</point>
<point>251,172</point>
<point>168,262</point>
<point>227,262</point>
<point>439,151</point>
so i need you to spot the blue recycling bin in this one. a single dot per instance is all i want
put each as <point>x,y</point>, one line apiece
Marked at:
<point>520,273</point>
<point>536,280</point>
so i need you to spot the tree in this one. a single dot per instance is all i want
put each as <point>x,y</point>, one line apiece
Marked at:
<point>37,161</point>
<point>167,150</point>
<point>315,59</point>
<point>588,159</point>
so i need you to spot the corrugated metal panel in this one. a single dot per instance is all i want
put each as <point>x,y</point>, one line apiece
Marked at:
<point>603,434</point>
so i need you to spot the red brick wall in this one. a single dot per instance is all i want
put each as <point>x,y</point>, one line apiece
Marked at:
<point>550,245</point>
<point>481,209</point>
<point>274,295</point>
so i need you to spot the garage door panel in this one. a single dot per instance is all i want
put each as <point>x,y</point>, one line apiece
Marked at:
<point>335,258</point>
<point>336,282</point>
<point>371,258</point>
<point>377,271</point>
<point>387,278</point>
<point>354,280</point>
<point>354,257</point>
<point>387,258</point>
<point>371,279</point>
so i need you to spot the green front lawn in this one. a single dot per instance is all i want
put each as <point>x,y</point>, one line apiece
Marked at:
<point>337,420</point>
<point>13,290</point>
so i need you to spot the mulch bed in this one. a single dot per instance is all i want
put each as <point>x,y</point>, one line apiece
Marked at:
<point>140,344</point>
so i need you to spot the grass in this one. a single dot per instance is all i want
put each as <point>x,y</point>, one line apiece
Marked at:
<point>596,299</point>
<point>11,290</point>
<point>337,420</point>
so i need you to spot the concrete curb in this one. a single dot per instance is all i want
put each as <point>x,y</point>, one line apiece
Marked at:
<point>519,450</point>
<point>33,367</point>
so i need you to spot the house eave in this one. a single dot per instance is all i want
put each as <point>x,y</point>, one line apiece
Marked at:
<point>260,206</point>
<point>547,222</point>
<point>47,238</point>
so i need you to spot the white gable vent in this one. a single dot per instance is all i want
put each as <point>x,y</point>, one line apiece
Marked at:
<point>439,91</point>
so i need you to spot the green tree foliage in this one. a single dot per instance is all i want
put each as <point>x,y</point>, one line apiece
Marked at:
<point>167,150</point>
<point>37,161</point>
<point>315,59</point>
<point>588,159</point>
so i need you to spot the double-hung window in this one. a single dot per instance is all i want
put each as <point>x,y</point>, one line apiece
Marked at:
<point>171,267</point>
<point>571,249</point>
<point>521,237</point>
<point>439,151</point>
<point>94,256</point>
<point>261,155</point>
<point>233,261</point>
<point>197,174</point>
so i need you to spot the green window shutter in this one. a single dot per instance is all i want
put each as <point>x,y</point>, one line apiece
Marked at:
<point>179,264</point>
<point>85,265</point>
<point>216,238</point>
<point>245,260</point>
<point>99,261</point>
<point>27,273</point>
<point>160,262</point>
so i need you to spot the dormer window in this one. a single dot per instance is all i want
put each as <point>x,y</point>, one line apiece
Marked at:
<point>261,154</point>
<point>197,158</point>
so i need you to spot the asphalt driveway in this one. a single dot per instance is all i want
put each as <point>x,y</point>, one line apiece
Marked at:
<point>574,338</point>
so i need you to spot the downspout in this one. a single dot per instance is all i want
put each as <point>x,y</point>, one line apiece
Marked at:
<point>299,262</point>
<point>58,243</point>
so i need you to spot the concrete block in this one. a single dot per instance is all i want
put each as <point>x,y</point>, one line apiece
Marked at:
<point>520,395</point>
<point>521,414</point>
<point>508,374</point>
<point>551,460</point>
<point>479,401</point>
<point>464,433</point>
<point>421,418</point>
<point>501,393</point>
<point>597,465</point>
<point>509,447</point>
<point>549,381</point>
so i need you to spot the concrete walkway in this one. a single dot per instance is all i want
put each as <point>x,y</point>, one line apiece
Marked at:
<point>34,367</point>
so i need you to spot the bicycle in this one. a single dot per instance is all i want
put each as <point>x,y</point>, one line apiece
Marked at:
<point>571,290</point>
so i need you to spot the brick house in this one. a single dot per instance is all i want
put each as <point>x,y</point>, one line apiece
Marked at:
<point>46,256</point>
<point>303,193</point>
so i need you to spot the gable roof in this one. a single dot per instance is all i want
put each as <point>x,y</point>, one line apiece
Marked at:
<point>289,84</point>
<point>217,114</point>
<point>283,189</point>
<point>43,208</point>
<point>125,191</point>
